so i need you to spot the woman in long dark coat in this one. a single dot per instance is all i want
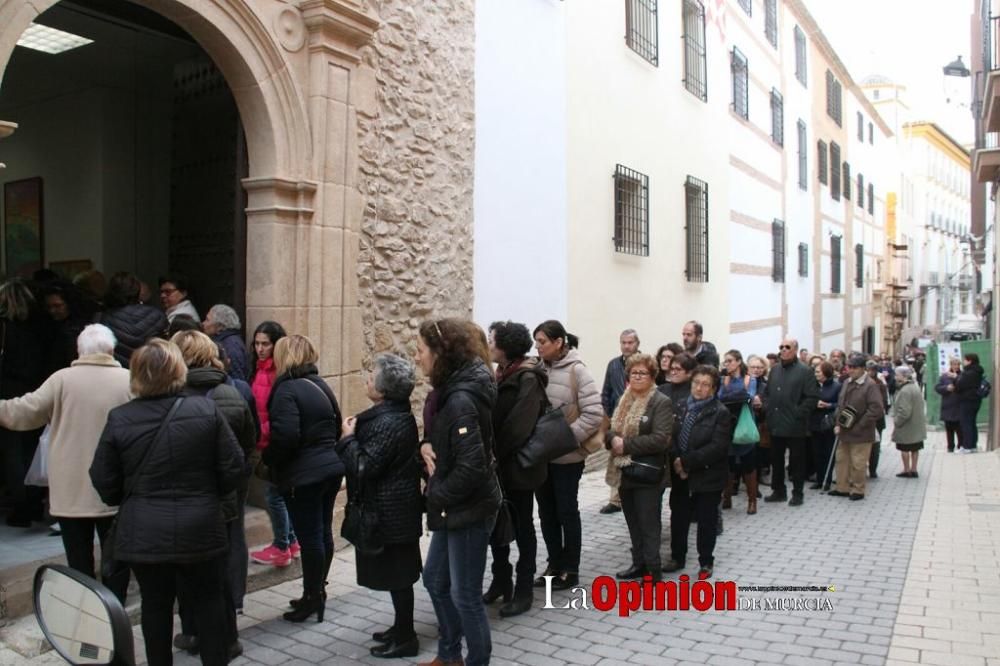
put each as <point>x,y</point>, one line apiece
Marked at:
<point>379,451</point>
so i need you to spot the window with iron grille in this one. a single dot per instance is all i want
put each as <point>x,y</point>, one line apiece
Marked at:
<point>861,191</point>
<point>778,250</point>
<point>800,55</point>
<point>641,30</point>
<point>859,265</point>
<point>835,264</point>
<point>821,159</point>
<point>771,21</point>
<point>803,260</point>
<point>871,134</point>
<point>803,157</point>
<point>871,199</point>
<point>847,181</point>
<point>696,229</point>
<point>747,7</point>
<point>861,127</point>
<point>695,66</point>
<point>834,100</point>
<point>777,117</point>
<point>741,88</point>
<point>631,211</point>
<point>834,171</point>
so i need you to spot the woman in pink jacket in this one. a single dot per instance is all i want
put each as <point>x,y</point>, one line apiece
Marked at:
<point>285,546</point>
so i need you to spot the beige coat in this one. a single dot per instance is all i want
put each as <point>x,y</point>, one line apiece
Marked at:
<point>76,402</point>
<point>563,375</point>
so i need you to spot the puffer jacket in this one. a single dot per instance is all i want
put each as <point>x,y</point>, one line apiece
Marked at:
<point>967,384</point>
<point>463,489</point>
<point>949,399</point>
<point>790,397</point>
<point>583,409</point>
<point>520,401</point>
<point>706,460</point>
<point>381,456</point>
<point>211,383</point>
<point>261,385</point>
<point>133,325</point>
<point>305,426</point>
<point>236,351</point>
<point>175,511</point>
<point>653,439</point>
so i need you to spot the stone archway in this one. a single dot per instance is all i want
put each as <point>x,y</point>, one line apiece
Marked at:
<point>294,71</point>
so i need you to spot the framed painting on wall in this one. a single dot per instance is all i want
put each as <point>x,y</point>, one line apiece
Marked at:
<point>22,227</point>
<point>70,268</point>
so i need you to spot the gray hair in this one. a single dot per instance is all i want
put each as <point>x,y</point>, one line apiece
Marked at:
<point>629,332</point>
<point>904,372</point>
<point>225,317</point>
<point>95,339</point>
<point>394,377</point>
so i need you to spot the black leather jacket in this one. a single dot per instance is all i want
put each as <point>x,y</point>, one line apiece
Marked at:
<point>521,400</point>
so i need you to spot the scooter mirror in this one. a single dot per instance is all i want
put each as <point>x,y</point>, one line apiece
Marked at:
<point>82,619</point>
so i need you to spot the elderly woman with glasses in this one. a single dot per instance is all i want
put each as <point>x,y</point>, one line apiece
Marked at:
<point>379,451</point>
<point>638,439</point>
<point>699,469</point>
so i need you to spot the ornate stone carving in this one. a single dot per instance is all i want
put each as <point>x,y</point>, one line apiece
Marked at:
<point>290,29</point>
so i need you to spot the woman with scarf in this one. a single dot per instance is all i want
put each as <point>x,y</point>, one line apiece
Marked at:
<point>702,434</point>
<point>638,438</point>
<point>738,389</point>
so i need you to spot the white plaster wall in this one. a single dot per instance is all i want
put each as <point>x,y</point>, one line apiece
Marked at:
<point>520,200</point>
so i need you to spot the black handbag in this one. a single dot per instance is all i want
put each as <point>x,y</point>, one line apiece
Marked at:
<point>110,564</point>
<point>551,438</point>
<point>645,469</point>
<point>504,528</point>
<point>360,525</point>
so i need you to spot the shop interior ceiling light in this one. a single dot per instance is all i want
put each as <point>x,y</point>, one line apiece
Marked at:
<point>49,40</point>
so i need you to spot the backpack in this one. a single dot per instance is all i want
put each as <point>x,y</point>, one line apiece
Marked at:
<point>984,389</point>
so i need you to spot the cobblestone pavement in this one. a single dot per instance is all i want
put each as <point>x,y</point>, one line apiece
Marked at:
<point>914,569</point>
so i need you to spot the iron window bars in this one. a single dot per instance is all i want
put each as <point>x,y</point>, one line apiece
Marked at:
<point>771,21</point>
<point>696,229</point>
<point>847,180</point>
<point>741,88</point>
<point>834,99</point>
<point>778,250</point>
<point>777,117</point>
<point>746,5</point>
<point>631,211</point>
<point>641,29</point>
<point>803,260</point>
<point>824,177</point>
<point>859,265</point>
<point>803,156</point>
<point>695,65</point>
<point>834,171</point>
<point>800,55</point>
<point>835,264</point>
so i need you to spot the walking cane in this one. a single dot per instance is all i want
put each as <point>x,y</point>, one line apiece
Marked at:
<point>833,456</point>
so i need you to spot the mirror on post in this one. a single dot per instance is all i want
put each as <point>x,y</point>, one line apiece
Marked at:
<point>82,620</point>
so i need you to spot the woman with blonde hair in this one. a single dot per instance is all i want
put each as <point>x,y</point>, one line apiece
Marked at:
<point>167,461</point>
<point>305,426</point>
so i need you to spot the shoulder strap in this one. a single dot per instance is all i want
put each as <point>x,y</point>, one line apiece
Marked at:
<point>152,445</point>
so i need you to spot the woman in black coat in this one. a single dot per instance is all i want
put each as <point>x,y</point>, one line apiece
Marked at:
<point>950,410</point>
<point>132,321</point>
<point>305,426</point>
<point>170,529</point>
<point>699,459</point>
<point>379,450</point>
<point>463,494</point>
<point>967,387</point>
<point>521,400</point>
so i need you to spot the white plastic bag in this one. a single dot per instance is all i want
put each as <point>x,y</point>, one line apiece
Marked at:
<point>38,473</point>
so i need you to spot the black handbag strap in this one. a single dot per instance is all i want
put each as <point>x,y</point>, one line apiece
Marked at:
<point>145,456</point>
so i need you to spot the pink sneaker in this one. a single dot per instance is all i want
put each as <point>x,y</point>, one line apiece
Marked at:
<point>294,548</point>
<point>272,555</point>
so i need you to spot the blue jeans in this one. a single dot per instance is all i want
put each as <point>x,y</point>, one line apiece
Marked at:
<point>453,576</point>
<point>280,524</point>
<point>967,411</point>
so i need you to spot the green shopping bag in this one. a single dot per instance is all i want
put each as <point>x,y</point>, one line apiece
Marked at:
<point>746,428</point>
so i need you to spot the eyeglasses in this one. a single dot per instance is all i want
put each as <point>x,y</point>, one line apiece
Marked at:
<point>640,373</point>
<point>707,384</point>
<point>784,346</point>
<point>166,292</point>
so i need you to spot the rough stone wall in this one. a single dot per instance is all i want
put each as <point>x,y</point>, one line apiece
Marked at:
<point>416,154</point>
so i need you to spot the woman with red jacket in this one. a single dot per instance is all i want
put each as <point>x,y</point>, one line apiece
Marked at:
<point>262,374</point>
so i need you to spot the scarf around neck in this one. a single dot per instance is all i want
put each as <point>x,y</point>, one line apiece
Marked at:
<point>694,407</point>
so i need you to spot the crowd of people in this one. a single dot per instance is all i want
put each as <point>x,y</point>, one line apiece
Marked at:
<point>159,421</point>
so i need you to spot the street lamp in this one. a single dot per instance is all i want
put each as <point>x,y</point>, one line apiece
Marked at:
<point>956,68</point>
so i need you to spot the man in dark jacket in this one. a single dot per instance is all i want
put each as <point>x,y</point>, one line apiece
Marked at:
<point>703,352</point>
<point>614,387</point>
<point>790,397</point>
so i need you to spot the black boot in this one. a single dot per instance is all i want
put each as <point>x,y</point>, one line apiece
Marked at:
<point>313,593</point>
<point>499,588</point>
<point>524,595</point>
